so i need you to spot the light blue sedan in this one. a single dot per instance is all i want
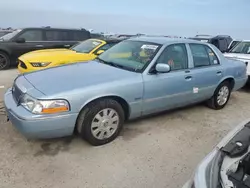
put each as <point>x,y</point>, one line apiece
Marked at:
<point>134,78</point>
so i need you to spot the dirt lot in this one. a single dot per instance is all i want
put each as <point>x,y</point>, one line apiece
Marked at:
<point>160,151</point>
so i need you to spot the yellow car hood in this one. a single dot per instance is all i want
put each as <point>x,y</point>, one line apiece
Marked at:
<point>56,56</point>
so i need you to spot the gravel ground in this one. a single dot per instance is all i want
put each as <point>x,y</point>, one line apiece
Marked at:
<point>154,152</point>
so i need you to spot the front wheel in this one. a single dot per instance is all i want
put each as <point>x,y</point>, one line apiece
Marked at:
<point>220,97</point>
<point>101,121</point>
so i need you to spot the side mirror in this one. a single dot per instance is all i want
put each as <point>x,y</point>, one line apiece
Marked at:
<point>20,40</point>
<point>99,52</point>
<point>162,68</point>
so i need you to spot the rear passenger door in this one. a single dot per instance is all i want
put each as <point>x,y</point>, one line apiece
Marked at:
<point>57,38</point>
<point>207,71</point>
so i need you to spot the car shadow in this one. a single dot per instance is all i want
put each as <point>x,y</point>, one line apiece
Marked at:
<point>131,129</point>
<point>246,88</point>
<point>143,125</point>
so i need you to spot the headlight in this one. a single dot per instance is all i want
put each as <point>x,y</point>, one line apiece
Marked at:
<point>38,64</point>
<point>44,106</point>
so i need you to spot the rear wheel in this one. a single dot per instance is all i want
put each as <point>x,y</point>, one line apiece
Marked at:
<point>221,96</point>
<point>4,61</point>
<point>101,121</point>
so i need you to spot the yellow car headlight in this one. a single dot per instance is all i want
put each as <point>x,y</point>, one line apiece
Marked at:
<point>40,64</point>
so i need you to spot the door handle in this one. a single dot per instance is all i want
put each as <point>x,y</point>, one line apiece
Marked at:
<point>66,45</point>
<point>188,78</point>
<point>218,73</point>
<point>39,45</point>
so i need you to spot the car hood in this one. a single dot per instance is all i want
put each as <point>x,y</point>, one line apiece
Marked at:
<point>57,80</point>
<point>238,56</point>
<point>56,56</point>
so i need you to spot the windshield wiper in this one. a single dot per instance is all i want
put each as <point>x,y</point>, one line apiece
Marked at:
<point>108,62</point>
<point>115,65</point>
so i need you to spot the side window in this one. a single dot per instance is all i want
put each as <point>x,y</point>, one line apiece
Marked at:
<point>79,35</point>
<point>53,35</point>
<point>176,56</point>
<point>106,46</point>
<point>200,55</point>
<point>212,56</point>
<point>32,35</point>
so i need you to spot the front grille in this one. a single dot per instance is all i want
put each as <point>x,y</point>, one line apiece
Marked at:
<point>22,64</point>
<point>17,93</point>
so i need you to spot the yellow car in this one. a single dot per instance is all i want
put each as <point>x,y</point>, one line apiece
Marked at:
<point>83,51</point>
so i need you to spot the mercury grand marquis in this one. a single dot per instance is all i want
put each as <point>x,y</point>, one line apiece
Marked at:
<point>134,78</point>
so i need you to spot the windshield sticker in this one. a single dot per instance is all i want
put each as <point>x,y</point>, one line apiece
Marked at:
<point>151,47</point>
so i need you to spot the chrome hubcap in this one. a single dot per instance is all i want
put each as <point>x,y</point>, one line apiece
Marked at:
<point>223,95</point>
<point>2,61</point>
<point>105,124</point>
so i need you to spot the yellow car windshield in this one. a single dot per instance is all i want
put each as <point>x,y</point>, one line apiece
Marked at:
<point>86,46</point>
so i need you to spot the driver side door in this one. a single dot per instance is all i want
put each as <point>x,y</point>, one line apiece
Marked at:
<point>163,91</point>
<point>33,41</point>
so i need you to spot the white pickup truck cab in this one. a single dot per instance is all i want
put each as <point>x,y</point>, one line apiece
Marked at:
<point>241,52</point>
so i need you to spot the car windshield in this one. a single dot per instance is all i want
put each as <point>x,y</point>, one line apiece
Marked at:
<point>232,45</point>
<point>86,46</point>
<point>10,35</point>
<point>130,55</point>
<point>242,48</point>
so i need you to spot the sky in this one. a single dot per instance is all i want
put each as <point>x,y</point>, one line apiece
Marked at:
<point>163,17</point>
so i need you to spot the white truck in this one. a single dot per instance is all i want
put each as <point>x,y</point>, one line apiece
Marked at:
<point>241,52</point>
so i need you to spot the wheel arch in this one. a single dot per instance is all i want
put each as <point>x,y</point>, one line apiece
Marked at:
<point>230,79</point>
<point>4,51</point>
<point>119,99</point>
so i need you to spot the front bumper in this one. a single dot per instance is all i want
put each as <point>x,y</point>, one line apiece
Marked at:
<point>38,126</point>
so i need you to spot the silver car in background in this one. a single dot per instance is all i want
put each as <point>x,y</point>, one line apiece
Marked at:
<point>137,77</point>
<point>228,165</point>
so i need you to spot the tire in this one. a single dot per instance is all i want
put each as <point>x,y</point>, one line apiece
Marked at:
<point>96,129</point>
<point>214,101</point>
<point>4,61</point>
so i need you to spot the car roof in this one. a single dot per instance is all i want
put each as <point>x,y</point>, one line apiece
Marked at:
<point>48,28</point>
<point>164,40</point>
<point>244,40</point>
